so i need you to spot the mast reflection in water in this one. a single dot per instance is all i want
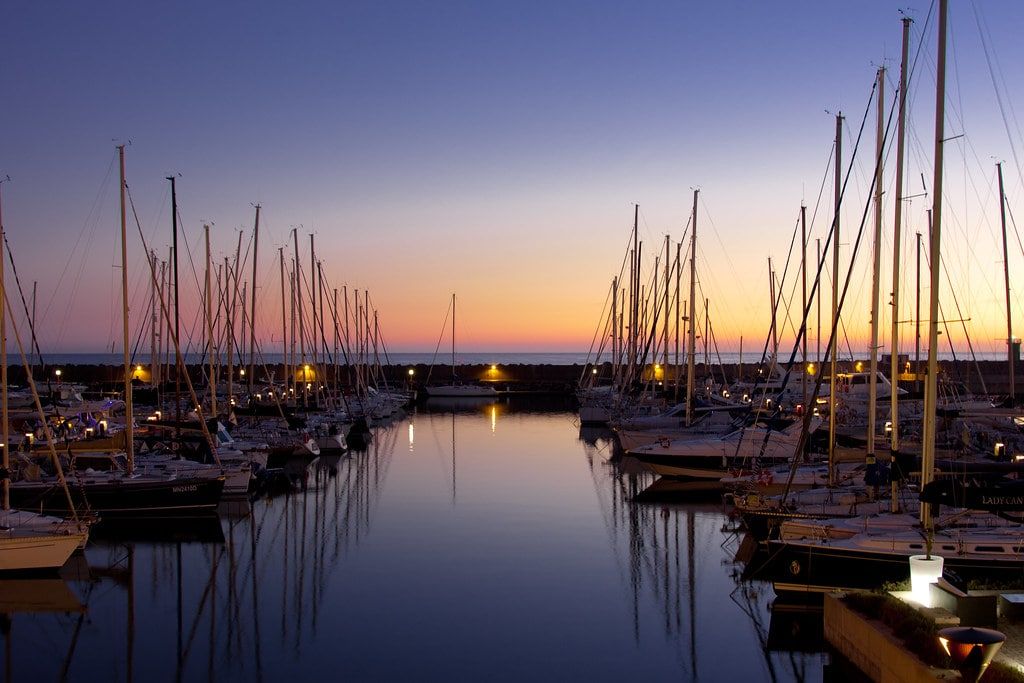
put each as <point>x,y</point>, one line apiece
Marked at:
<point>469,541</point>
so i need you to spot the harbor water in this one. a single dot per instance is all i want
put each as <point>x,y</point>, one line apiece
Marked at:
<point>471,541</point>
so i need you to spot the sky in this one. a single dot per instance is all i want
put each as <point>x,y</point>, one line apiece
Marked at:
<point>494,150</point>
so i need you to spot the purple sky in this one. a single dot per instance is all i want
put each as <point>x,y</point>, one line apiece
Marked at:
<point>493,149</point>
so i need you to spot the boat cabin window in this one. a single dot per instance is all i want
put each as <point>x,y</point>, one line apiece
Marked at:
<point>988,548</point>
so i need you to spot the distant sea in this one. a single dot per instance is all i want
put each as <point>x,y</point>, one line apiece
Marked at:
<point>483,358</point>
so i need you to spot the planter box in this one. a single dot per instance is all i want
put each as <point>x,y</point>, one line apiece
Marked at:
<point>873,649</point>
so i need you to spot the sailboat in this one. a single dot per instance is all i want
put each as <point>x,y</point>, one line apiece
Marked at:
<point>815,557</point>
<point>456,390</point>
<point>27,540</point>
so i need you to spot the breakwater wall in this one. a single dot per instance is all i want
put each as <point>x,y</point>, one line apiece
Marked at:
<point>992,377</point>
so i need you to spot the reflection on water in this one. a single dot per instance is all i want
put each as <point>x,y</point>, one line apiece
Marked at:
<point>470,540</point>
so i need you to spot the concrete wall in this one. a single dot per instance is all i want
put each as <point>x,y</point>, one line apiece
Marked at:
<point>873,649</point>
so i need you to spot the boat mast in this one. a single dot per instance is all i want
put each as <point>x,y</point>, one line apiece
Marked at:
<point>177,312</point>
<point>901,129</point>
<point>284,324</point>
<point>876,274</point>
<point>931,378</point>
<point>337,362</point>
<point>692,341</point>
<point>298,304</point>
<point>834,368</point>
<point>916,314</point>
<point>614,316</point>
<point>154,356</point>
<point>314,342</point>
<point>453,338</point>
<point>129,436</point>
<point>1006,278</point>
<point>209,324</point>
<point>664,355</point>
<point>252,308</point>
<point>775,324</point>
<point>679,272</point>
<point>803,305</point>
<point>3,364</point>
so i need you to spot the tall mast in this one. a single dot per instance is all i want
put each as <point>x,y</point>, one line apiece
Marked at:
<point>298,305</point>
<point>876,272</point>
<point>129,436</point>
<point>284,323</point>
<point>917,305</point>
<point>834,368</point>
<point>679,272</point>
<point>634,291</point>
<point>901,130</point>
<point>3,365</point>
<point>177,312</point>
<point>314,342</point>
<point>803,305</point>
<point>453,337</point>
<point>337,363</point>
<point>931,378</point>
<point>347,338</point>
<point>775,320</point>
<point>1006,278</point>
<point>231,282</point>
<point>691,344</point>
<point>154,356</point>
<point>664,355</point>
<point>209,324</point>
<point>614,316</point>
<point>252,308</point>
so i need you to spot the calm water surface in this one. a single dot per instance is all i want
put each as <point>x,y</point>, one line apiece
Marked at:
<point>470,542</point>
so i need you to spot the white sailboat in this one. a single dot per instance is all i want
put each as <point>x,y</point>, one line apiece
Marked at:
<point>456,390</point>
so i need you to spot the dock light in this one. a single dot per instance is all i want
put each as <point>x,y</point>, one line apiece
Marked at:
<point>746,398</point>
<point>242,372</point>
<point>232,401</point>
<point>888,427</point>
<point>411,372</point>
<point>768,402</point>
<point>309,386</point>
<point>494,368</point>
<point>860,366</point>
<point>88,431</point>
<point>810,368</point>
<point>103,426</point>
<point>725,393</point>
<point>1000,450</point>
<point>593,371</point>
<point>259,397</point>
<point>971,648</point>
<point>1018,458</point>
<point>58,373</point>
<point>151,418</point>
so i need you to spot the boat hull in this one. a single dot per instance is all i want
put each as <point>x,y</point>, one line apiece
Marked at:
<point>29,551</point>
<point>117,497</point>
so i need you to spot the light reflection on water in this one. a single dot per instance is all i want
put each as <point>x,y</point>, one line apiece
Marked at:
<point>470,541</point>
